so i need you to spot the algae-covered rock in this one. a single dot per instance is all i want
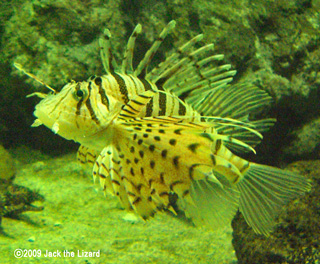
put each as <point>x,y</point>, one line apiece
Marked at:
<point>57,40</point>
<point>7,166</point>
<point>14,199</point>
<point>274,45</point>
<point>306,143</point>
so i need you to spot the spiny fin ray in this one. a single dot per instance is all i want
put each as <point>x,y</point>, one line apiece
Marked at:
<point>142,67</point>
<point>264,191</point>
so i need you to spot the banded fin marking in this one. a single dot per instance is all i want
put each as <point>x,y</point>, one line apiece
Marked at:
<point>126,67</point>
<point>110,174</point>
<point>108,60</point>
<point>133,108</point>
<point>142,67</point>
<point>86,155</point>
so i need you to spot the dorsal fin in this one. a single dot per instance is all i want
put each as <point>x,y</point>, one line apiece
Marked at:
<point>128,55</point>
<point>142,67</point>
<point>108,60</point>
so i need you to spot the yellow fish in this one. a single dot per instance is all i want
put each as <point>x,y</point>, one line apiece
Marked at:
<point>168,138</point>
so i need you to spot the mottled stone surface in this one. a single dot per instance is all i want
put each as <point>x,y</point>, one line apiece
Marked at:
<point>7,166</point>
<point>306,143</point>
<point>273,44</point>
<point>14,199</point>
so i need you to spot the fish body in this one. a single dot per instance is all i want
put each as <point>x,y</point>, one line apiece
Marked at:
<point>169,137</point>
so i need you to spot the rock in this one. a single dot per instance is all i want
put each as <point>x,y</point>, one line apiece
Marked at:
<point>306,144</point>
<point>7,167</point>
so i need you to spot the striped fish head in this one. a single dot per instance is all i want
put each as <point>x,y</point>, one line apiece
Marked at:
<point>79,112</point>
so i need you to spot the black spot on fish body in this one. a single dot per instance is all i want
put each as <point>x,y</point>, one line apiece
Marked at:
<point>178,131</point>
<point>149,182</point>
<point>176,161</point>
<point>137,200</point>
<point>132,149</point>
<point>172,142</point>
<point>138,187</point>
<point>140,141</point>
<point>193,147</point>
<point>161,131</point>
<point>141,153</point>
<point>164,153</point>
<point>151,148</point>
<point>162,177</point>
<point>145,135</point>
<point>157,138</point>
<point>131,171</point>
<point>152,164</point>
<point>213,159</point>
<point>136,160</point>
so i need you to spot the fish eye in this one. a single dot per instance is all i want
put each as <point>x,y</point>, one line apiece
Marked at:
<point>79,94</point>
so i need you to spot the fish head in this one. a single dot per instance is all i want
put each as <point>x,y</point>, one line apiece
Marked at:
<point>81,111</point>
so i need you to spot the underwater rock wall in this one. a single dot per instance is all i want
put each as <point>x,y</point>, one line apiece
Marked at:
<point>274,45</point>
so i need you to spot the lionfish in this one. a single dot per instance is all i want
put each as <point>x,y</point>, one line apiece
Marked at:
<point>169,138</point>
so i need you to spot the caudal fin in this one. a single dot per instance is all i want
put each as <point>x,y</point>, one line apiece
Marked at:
<point>263,193</point>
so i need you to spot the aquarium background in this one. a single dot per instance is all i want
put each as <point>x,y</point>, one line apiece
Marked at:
<point>272,44</point>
